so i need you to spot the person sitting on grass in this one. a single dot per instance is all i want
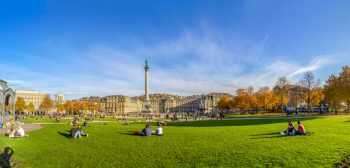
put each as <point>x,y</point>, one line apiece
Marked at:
<point>81,133</point>
<point>159,130</point>
<point>76,132</point>
<point>73,131</point>
<point>126,122</point>
<point>290,130</point>
<point>147,131</point>
<point>11,132</point>
<point>85,124</point>
<point>301,129</point>
<point>20,132</point>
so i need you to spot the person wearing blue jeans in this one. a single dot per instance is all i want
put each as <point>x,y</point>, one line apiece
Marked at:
<point>76,132</point>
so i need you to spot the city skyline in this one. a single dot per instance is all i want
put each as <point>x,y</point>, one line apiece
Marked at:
<point>85,48</point>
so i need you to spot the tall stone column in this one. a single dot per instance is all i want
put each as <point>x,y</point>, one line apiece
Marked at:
<point>146,81</point>
<point>146,104</point>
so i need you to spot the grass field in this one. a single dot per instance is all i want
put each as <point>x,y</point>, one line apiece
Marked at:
<point>68,119</point>
<point>44,120</point>
<point>230,143</point>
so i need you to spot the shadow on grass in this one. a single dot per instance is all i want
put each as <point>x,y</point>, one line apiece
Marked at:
<point>5,157</point>
<point>245,122</point>
<point>65,134</point>
<point>278,136</point>
<point>274,133</point>
<point>128,133</point>
<point>268,135</point>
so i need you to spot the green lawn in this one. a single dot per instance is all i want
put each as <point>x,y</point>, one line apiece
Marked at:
<point>43,120</point>
<point>231,143</point>
<point>46,119</point>
<point>271,115</point>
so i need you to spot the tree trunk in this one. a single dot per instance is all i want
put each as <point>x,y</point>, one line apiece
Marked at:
<point>348,106</point>
<point>335,108</point>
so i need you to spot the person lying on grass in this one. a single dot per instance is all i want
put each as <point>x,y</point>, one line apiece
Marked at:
<point>76,132</point>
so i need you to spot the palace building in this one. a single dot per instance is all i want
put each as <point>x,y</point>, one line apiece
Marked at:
<point>30,96</point>
<point>161,103</point>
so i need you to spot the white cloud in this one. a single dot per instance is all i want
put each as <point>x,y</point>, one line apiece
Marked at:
<point>315,64</point>
<point>192,63</point>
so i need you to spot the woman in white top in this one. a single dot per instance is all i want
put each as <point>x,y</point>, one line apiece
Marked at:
<point>159,130</point>
<point>20,132</point>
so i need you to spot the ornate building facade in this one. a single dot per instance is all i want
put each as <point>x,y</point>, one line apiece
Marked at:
<point>118,104</point>
<point>31,97</point>
<point>161,103</point>
<point>7,98</point>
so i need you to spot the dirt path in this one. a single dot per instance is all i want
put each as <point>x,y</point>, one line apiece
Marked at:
<point>26,127</point>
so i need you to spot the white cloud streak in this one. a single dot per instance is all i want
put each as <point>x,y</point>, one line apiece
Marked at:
<point>192,63</point>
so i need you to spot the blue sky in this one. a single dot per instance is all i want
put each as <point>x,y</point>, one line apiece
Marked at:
<point>86,47</point>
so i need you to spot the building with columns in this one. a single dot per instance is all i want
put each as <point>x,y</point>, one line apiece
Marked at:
<point>161,103</point>
<point>119,105</point>
<point>59,98</point>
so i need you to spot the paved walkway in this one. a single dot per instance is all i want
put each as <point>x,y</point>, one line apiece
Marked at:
<point>26,127</point>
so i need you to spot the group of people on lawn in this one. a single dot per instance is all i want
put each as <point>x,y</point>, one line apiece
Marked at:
<point>147,131</point>
<point>15,132</point>
<point>76,132</point>
<point>291,131</point>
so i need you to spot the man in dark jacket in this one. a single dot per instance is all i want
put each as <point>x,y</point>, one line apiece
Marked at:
<point>147,131</point>
<point>73,131</point>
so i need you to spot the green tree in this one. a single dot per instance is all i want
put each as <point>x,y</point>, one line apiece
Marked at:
<point>20,104</point>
